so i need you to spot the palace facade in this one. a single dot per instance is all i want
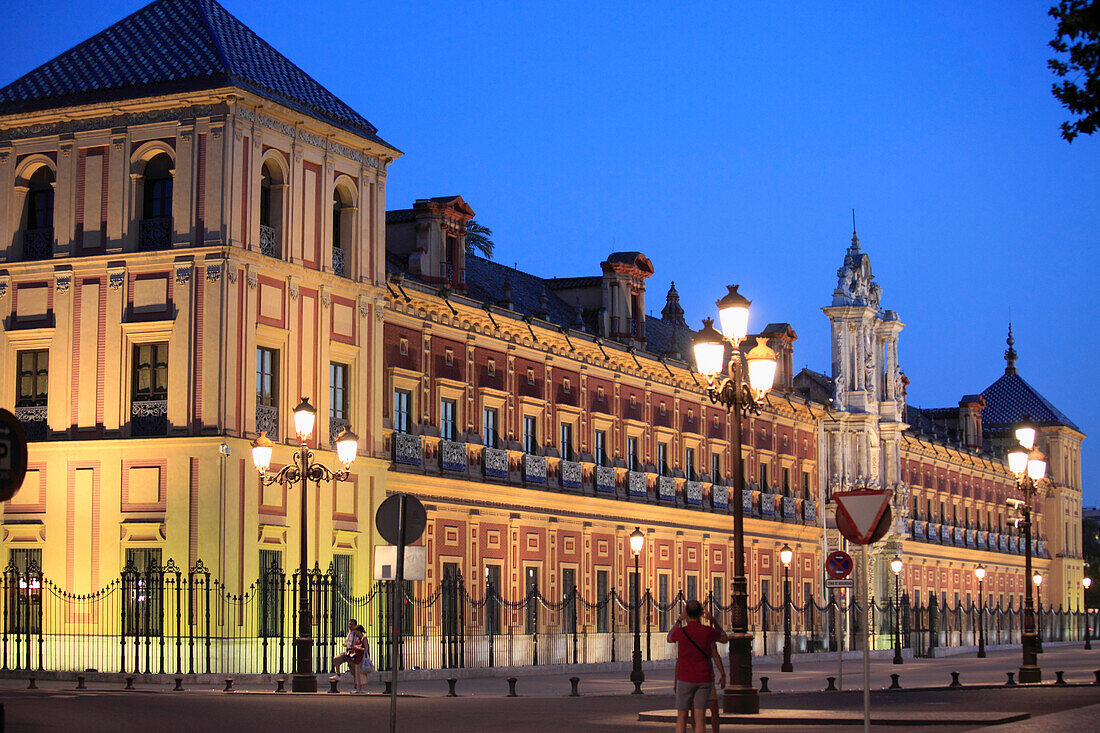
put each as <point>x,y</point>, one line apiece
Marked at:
<point>193,237</point>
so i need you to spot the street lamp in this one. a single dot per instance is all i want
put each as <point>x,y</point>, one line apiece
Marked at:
<point>731,390</point>
<point>303,470</point>
<point>637,676</point>
<point>1029,465</point>
<point>785,555</point>
<point>895,565</point>
<point>979,572</point>
<point>1087,582</point>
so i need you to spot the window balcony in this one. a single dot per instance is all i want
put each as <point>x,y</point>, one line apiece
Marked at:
<point>571,474</point>
<point>790,508</point>
<point>666,489</point>
<point>637,485</point>
<point>269,245</point>
<point>605,480</point>
<point>33,419</point>
<point>155,234</point>
<point>339,266</point>
<point>494,463</point>
<point>452,456</point>
<point>534,469</point>
<point>693,493</point>
<point>38,244</point>
<point>148,418</point>
<point>267,418</point>
<point>720,497</point>
<point>408,449</point>
<point>809,511</point>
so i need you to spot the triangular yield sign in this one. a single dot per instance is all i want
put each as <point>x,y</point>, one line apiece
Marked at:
<point>863,509</point>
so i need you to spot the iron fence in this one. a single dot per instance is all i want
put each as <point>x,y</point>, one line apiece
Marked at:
<point>184,621</point>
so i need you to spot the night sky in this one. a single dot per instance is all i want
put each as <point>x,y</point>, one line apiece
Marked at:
<point>729,142</point>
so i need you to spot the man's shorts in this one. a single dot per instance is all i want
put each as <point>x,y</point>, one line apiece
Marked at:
<point>343,658</point>
<point>693,694</point>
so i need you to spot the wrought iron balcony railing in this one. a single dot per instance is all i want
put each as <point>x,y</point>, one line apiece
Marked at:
<point>38,244</point>
<point>269,245</point>
<point>149,417</point>
<point>339,266</point>
<point>155,233</point>
<point>33,420</point>
<point>267,418</point>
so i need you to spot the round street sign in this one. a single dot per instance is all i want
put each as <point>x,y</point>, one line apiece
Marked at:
<point>838,564</point>
<point>13,455</point>
<point>415,519</point>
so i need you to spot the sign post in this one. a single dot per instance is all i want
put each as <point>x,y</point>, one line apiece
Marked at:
<point>839,566</point>
<point>400,519</point>
<point>863,517</point>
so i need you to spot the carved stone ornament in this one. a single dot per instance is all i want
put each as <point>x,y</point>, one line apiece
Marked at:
<point>326,298</point>
<point>62,282</point>
<point>183,274</point>
<point>232,275</point>
<point>116,278</point>
<point>251,279</point>
<point>213,273</point>
<point>293,288</point>
<point>364,307</point>
<point>4,282</point>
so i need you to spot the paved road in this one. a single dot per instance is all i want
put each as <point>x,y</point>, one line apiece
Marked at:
<point>543,704</point>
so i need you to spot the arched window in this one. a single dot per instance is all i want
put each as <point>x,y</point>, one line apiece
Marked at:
<point>343,227</point>
<point>272,188</point>
<point>158,188</point>
<point>156,225</point>
<point>38,225</point>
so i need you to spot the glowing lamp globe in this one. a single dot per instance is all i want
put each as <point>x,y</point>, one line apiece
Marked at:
<point>979,572</point>
<point>762,364</point>
<point>895,565</point>
<point>733,313</point>
<point>261,452</point>
<point>710,350</point>
<point>347,447</point>
<point>1025,433</point>
<point>1017,461</point>
<point>637,539</point>
<point>786,555</point>
<point>304,417</point>
<point>1036,464</point>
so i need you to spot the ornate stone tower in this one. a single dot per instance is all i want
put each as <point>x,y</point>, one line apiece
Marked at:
<point>861,441</point>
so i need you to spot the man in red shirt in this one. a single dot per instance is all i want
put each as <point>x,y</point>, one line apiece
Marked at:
<point>694,674</point>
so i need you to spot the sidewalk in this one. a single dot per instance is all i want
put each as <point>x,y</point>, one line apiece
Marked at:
<point>810,672</point>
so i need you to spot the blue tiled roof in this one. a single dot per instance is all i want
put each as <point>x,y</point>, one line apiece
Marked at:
<point>177,46</point>
<point>1010,398</point>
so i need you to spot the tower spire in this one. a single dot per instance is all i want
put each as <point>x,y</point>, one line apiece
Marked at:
<point>1010,352</point>
<point>855,238</point>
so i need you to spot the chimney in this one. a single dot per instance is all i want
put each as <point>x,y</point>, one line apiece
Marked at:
<point>970,420</point>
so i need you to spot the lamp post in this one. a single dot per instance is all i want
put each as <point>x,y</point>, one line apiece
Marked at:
<point>1029,465</point>
<point>1087,582</point>
<point>637,676</point>
<point>1037,579</point>
<point>979,572</point>
<point>738,396</point>
<point>785,556</point>
<point>895,565</point>
<point>302,471</point>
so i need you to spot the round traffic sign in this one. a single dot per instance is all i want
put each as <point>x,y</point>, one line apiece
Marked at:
<point>13,455</point>
<point>416,519</point>
<point>838,564</point>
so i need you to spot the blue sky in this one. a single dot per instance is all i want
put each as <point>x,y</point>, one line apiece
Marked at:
<point>729,143</point>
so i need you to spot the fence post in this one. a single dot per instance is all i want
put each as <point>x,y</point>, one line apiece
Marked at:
<point>611,614</point>
<point>931,624</point>
<point>648,630</point>
<point>490,617</point>
<point>573,601</point>
<point>461,601</point>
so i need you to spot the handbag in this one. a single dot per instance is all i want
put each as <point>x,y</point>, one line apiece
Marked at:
<point>367,665</point>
